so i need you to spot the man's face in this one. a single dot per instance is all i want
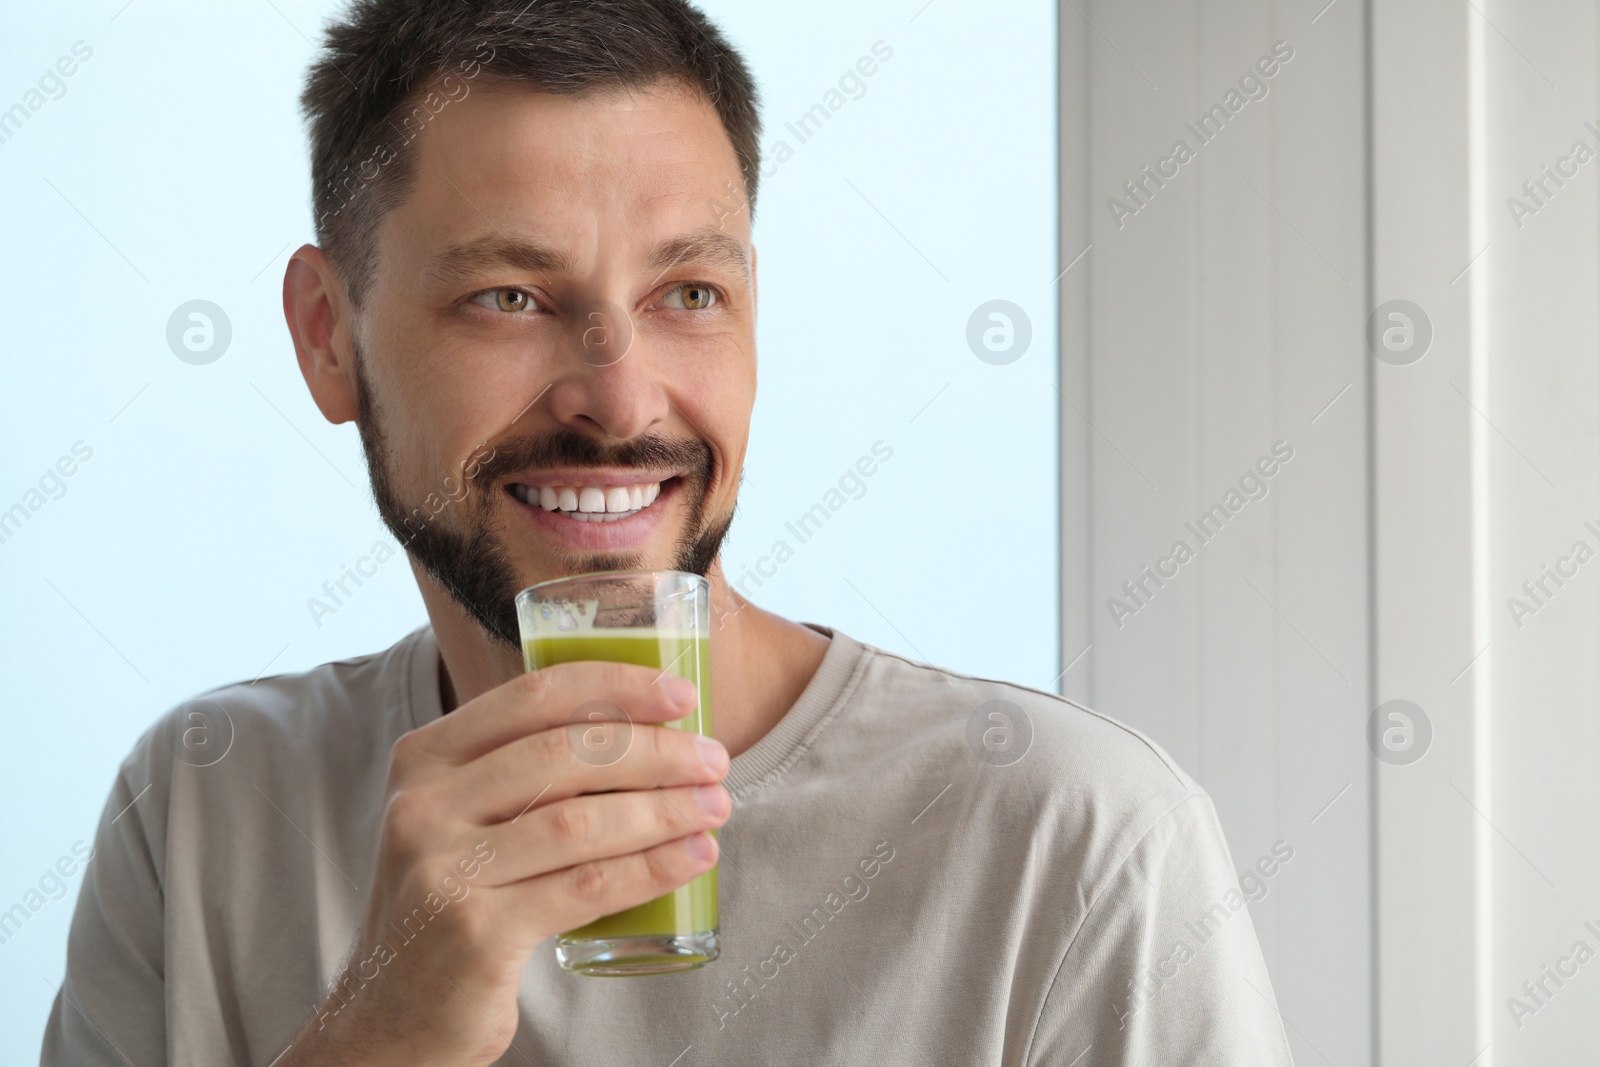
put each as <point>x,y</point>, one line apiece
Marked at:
<point>556,356</point>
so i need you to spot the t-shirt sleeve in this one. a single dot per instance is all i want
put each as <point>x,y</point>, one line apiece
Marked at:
<point>1165,968</point>
<point>111,1008</point>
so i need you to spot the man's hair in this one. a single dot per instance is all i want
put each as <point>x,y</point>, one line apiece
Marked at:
<point>390,65</point>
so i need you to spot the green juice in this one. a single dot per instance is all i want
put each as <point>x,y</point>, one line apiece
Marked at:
<point>691,908</point>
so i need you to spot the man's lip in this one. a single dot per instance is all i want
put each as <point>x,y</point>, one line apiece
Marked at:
<point>591,476</point>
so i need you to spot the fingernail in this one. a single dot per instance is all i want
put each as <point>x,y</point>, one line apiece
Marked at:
<point>680,691</point>
<point>712,754</point>
<point>712,799</point>
<point>700,848</point>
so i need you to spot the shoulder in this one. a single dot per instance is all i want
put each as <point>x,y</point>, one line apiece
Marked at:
<point>297,711</point>
<point>1030,753</point>
<point>1009,724</point>
<point>320,723</point>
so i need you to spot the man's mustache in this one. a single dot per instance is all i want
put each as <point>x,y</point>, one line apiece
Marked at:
<point>569,449</point>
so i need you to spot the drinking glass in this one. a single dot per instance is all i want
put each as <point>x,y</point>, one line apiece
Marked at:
<point>659,619</point>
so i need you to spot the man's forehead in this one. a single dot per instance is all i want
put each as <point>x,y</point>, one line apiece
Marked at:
<point>523,178</point>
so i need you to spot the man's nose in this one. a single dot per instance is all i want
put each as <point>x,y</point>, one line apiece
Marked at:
<point>607,379</point>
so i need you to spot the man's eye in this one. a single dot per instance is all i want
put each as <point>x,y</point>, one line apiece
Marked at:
<point>691,298</point>
<point>508,300</point>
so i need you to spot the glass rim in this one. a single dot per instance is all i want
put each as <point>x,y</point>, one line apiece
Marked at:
<point>533,589</point>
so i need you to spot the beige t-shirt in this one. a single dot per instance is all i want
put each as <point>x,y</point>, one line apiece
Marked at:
<point>911,874</point>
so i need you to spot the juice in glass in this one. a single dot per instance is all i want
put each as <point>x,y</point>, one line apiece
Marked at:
<point>655,619</point>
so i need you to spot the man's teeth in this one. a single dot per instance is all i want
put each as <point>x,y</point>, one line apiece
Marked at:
<point>591,503</point>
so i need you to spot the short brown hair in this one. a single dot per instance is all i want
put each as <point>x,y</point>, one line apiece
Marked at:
<point>389,65</point>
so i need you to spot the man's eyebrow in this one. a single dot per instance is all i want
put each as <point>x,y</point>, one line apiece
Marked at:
<point>467,260</point>
<point>708,245</point>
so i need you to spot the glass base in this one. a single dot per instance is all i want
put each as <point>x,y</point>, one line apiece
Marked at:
<point>623,957</point>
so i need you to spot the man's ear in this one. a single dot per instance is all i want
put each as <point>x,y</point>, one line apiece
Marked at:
<point>318,314</point>
<point>755,287</point>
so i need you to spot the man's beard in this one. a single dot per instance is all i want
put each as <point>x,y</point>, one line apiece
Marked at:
<point>468,557</point>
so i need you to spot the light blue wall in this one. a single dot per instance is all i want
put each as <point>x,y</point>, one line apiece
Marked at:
<point>183,552</point>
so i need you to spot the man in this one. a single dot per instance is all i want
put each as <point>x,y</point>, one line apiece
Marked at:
<point>534,278</point>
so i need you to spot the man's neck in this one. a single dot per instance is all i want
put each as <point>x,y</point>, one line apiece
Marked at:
<point>760,662</point>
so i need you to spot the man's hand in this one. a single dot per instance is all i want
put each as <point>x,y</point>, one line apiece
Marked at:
<point>553,841</point>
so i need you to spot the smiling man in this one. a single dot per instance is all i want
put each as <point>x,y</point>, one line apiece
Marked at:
<point>534,293</point>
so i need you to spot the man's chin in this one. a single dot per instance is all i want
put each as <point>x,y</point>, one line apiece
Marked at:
<point>573,566</point>
<point>485,568</point>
